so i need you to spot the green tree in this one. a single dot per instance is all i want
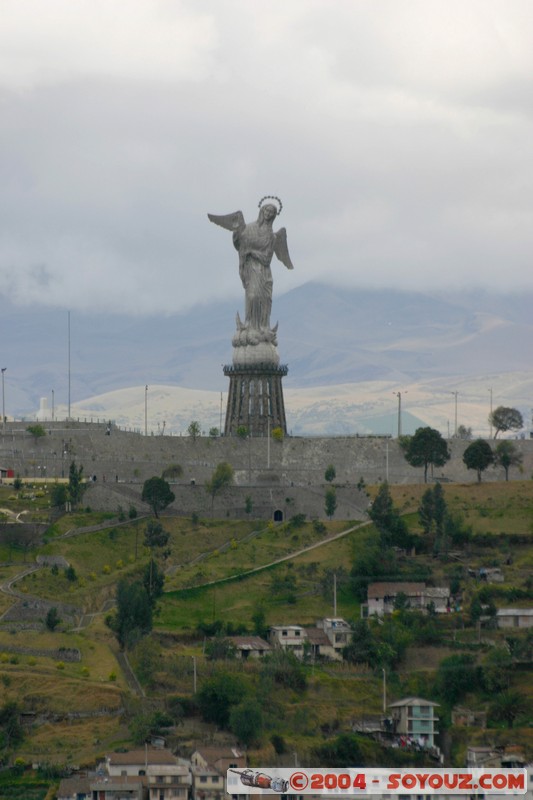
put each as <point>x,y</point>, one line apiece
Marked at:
<point>133,618</point>
<point>392,528</point>
<point>220,648</point>
<point>463,432</point>
<point>278,743</point>
<point>284,669</point>
<point>11,731</point>
<point>345,749</point>
<point>371,562</point>
<point>37,431</point>
<point>194,430</point>
<point>508,706</point>
<point>214,433</point>
<point>497,670</point>
<point>58,495</point>
<point>52,619</point>
<point>260,628</point>
<point>156,492</point>
<point>277,434</point>
<point>505,419</point>
<point>155,538</point>
<point>246,722</point>
<point>456,676</point>
<point>172,472</point>
<point>76,486</point>
<point>153,581</point>
<point>426,447</point>
<point>433,515</point>
<point>478,456</point>
<point>218,695</point>
<point>330,502</point>
<point>362,649</point>
<point>426,511</point>
<point>506,455</point>
<point>248,504</point>
<point>242,432</point>
<point>440,509</point>
<point>221,478</point>
<point>330,473</point>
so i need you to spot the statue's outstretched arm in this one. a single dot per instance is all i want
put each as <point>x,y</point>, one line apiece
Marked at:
<point>281,249</point>
<point>231,222</point>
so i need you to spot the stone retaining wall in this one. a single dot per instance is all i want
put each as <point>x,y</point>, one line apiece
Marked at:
<point>268,471</point>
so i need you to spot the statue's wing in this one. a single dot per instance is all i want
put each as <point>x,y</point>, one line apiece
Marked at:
<point>231,222</point>
<point>281,249</point>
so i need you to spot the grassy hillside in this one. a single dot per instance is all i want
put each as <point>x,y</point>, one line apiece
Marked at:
<point>78,710</point>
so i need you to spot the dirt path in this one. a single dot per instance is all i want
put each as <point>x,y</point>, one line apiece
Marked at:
<point>288,557</point>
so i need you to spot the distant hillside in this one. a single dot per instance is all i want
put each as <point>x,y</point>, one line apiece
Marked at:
<point>375,342</point>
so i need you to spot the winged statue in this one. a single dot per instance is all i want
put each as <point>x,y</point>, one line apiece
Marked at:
<point>256,243</point>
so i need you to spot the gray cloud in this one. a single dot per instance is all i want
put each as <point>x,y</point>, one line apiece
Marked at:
<point>397,133</point>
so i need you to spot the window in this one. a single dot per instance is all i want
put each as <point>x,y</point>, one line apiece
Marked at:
<point>296,633</point>
<point>284,633</point>
<point>203,778</point>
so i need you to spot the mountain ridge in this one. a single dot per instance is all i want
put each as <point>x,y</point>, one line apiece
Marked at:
<point>329,336</point>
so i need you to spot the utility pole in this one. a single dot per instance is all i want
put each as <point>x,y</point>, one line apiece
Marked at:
<point>399,396</point>
<point>146,410</point>
<point>68,416</point>
<point>268,443</point>
<point>455,395</point>
<point>3,402</point>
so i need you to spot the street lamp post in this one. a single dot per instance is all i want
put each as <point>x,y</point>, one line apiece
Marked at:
<point>194,677</point>
<point>146,410</point>
<point>3,402</point>
<point>455,395</point>
<point>399,396</point>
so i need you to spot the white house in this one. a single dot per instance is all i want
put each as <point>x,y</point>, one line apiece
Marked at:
<point>382,597</point>
<point>514,617</point>
<point>209,766</point>
<point>288,637</point>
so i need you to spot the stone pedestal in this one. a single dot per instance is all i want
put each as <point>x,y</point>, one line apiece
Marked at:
<point>255,398</point>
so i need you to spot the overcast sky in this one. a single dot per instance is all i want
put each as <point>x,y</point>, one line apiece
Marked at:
<point>398,134</point>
